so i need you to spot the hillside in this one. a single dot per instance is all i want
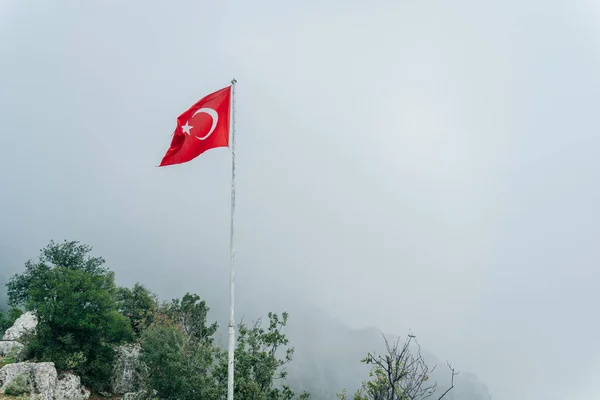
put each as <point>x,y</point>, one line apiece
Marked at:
<point>328,352</point>
<point>328,356</point>
<point>68,288</point>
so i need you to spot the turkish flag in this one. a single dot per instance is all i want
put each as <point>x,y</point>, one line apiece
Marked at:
<point>203,127</point>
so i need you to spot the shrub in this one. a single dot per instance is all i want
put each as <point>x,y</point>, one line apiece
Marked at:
<point>138,305</point>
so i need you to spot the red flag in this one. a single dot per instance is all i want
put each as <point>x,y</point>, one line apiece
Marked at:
<point>203,127</point>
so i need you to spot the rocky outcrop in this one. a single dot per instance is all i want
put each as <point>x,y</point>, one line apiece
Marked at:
<point>141,395</point>
<point>125,377</point>
<point>10,348</point>
<point>133,396</point>
<point>68,387</point>
<point>37,378</point>
<point>41,381</point>
<point>23,327</point>
<point>12,343</point>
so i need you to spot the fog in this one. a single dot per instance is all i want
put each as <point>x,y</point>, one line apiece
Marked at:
<point>429,165</point>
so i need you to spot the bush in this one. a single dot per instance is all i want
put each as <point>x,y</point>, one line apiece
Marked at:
<point>75,302</point>
<point>138,305</point>
<point>3,324</point>
<point>176,367</point>
<point>190,315</point>
<point>178,356</point>
<point>181,362</point>
<point>6,321</point>
<point>258,364</point>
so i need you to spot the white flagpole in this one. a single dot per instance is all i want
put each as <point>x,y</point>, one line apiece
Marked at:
<point>231,349</point>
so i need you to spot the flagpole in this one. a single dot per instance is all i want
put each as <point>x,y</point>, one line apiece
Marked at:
<point>231,348</point>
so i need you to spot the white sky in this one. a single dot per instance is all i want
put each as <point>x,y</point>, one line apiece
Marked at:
<point>423,164</point>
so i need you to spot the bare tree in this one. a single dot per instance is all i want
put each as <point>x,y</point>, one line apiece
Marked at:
<point>400,374</point>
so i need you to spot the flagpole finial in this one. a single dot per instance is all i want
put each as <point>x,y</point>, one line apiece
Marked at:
<point>233,81</point>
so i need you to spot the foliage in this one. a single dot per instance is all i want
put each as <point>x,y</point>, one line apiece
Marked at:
<point>13,314</point>
<point>74,298</point>
<point>190,315</point>
<point>344,395</point>
<point>82,315</point>
<point>6,321</point>
<point>70,255</point>
<point>6,360</point>
<point>400,374</point>
<point>3,294</point>
<point>177,356</point>
<point>181,362</point>
<point>139,305</point>
<point>257,364</point>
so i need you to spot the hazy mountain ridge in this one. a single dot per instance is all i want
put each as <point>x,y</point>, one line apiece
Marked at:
<point>327,360</point>
<point>328,352</point>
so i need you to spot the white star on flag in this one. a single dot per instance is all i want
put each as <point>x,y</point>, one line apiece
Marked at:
<point>186,128</point>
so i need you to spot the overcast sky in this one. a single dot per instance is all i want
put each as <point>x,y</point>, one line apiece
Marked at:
<point>405,164</point>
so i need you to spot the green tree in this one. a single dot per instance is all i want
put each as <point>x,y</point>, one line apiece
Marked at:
<point>139,305</point>
<point>190,315</point>
<point>258,365</point>
<point>180,360</point>
<point>74,298</point>
<point>178,355</point>
<point>69,255</point>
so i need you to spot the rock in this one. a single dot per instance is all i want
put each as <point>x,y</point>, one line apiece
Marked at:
<point>10,348</point>
<point>40,382</point>
<point>131,396</point>
<point>141,395</point>
<point>68,387</point>
<point>19,386</point>
<point>39,378</point>
<point>125,377</point>
<point>24,326</point>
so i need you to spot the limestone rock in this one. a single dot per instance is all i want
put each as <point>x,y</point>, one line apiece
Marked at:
<point>125,377</point>
<point>24,326</point>
<point>41,382</point>
<point>68,387</point>
<point>141,395</point>
<point>40,378</point>
<point>131,396</point>
<point>10,348</point>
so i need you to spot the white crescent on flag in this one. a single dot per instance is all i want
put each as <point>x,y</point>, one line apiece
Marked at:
<point>215,119</point>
